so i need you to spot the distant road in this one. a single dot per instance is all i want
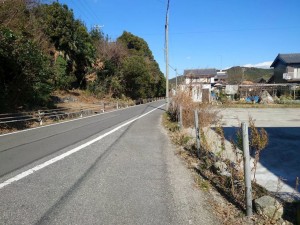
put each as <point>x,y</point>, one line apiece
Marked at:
<point>114,168</point>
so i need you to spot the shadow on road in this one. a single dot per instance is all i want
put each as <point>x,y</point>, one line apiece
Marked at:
<point>162,108</point>
<point>282,155</point>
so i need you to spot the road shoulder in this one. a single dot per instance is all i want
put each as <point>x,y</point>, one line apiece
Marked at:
<point>192,203</point>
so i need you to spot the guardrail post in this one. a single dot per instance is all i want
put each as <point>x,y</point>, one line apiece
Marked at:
<point>197,132</point>
<point>80,112</point>
<point>40,117</point>
<point>247,170</point>
<point>117,106</point>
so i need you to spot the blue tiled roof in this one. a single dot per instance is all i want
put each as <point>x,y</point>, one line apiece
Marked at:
<point>287,59</point>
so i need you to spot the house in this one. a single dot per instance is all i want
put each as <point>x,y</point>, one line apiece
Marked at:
<point>286,68</point>
<point>221,77</point>
<point>199,82</point>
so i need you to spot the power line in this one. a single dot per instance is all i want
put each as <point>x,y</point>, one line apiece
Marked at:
<point>160,1</point>
<point>83,13</point>
<point>222,31</point>
<point>88,12</point>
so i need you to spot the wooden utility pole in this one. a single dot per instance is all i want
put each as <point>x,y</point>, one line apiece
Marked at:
<point>176,80</point>
<point>167,54</point>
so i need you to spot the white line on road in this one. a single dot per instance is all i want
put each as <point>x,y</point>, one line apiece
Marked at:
<point>64,155</point>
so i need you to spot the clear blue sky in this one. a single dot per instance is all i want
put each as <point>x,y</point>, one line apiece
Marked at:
<point>203,33</point>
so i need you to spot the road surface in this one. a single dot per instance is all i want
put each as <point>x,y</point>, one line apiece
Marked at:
<point>114,168</point>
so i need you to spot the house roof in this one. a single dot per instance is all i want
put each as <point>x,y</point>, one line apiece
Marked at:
<point>200,73</point>
<point>287,59</point>
<point>221,75</point>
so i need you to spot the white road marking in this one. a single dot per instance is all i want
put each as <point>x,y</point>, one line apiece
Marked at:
<point>70,152</point>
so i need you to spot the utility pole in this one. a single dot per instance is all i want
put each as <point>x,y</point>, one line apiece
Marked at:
<point>167,54</point>
<point>176,80</point>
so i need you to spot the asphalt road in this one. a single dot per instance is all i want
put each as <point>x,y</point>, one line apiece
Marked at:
<point>130,176</point>
<point>23,148</point>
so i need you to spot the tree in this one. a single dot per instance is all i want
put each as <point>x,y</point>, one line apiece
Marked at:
<point>135,45</point>
<point>24,72</point>
<point>136,77</point>
<point>69,36</point>
<point>153,77</point>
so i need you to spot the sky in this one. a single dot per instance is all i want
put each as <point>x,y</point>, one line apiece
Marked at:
<point>202,33</point>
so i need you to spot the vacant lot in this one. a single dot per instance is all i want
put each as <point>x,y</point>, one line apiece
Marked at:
<point>282,156</point>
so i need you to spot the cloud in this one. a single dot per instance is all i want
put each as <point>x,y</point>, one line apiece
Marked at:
<point>263,65</point>
<point>188,57</point>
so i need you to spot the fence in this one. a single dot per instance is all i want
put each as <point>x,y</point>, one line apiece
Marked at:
<point>40,117</point>
<point>225,162</point>
<point>286,90</point>
<point>216,157</point>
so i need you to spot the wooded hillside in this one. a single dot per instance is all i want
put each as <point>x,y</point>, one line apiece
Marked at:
<point>44,48</point>
<point>238,74</point>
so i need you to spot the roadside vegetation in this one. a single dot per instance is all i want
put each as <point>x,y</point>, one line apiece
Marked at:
<point>44,48</point>
<point>220,165</point>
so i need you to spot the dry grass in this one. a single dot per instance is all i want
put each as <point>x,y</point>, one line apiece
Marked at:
<point>258,141</point>
<point>208,114</point>
<point>208,178</point>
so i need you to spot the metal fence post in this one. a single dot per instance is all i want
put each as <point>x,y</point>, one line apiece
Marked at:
<point>247,170</point>
<point>180,118</point>
<point>197,132</point>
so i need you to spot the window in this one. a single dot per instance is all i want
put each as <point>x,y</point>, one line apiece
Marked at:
<point>297,73</point>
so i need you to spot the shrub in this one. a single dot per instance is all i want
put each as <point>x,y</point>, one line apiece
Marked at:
<point>258,141</point>
<point>24,72</point>
<point>207,114</point>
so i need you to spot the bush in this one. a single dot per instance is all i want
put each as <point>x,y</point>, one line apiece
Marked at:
<point>207,114</point>
<point>24,72</point>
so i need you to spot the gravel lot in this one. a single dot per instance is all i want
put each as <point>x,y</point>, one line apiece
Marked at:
<point>282,156</point>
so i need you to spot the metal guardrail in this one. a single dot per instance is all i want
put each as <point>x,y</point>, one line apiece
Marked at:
<point>41,116</point>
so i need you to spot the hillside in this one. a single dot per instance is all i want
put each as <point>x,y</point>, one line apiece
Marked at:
<point>235,74</point>
<point>172,82</point>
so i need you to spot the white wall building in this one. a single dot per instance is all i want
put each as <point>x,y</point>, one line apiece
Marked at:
<point>199,82</point>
